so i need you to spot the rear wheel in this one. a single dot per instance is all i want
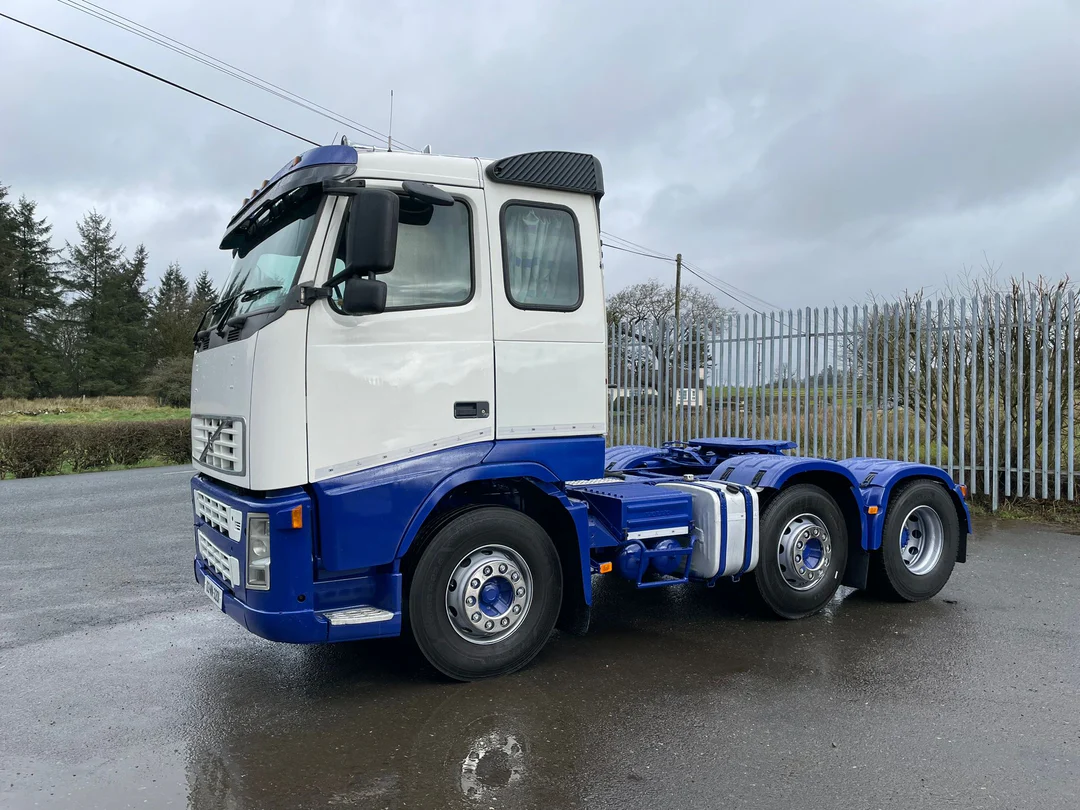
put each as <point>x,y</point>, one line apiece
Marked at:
<point>485,594</point>
<point>918,543</point>
<point>803,551</point>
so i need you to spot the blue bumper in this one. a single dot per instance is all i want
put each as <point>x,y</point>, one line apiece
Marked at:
<point>296,606</point>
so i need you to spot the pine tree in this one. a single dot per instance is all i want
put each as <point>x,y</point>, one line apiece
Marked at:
<point>9,304</point>
<point>170,316</point>
<point>203,295</point>
<point>106,320</point>
<point>79,336</point>
<point>123,332</point>
<point>29,296</point>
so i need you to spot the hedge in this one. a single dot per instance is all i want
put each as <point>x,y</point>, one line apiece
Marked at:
<point>28,450</point>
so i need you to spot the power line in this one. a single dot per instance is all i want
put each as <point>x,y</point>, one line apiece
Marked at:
<point>626,241</point>
<point>721,289</point>
<point>158,78</point>
<point>722,286</point>
<point>639,252</point>
<point>176,46</point>
<point>729,285</point>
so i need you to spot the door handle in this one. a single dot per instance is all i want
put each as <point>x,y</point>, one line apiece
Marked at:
<point>471,410</point>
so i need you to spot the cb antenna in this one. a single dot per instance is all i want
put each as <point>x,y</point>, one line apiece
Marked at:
<point>390,129</point>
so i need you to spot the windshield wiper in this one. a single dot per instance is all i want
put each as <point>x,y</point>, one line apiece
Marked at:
<point>246,295</point>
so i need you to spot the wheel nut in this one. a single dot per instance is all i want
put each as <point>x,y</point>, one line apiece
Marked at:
<point>470,600</point>
<point>474,584</point>
<point>798,558</point>
<point>475,617</point>
<point>487,570</point>
<point>489,624</point>
<point>516,608</point>
<point>520,591</point>
<point>514,576</point>
<point>502,568</point>
<point>799,544</point>
<point>802,570</point>
<point>504,621</point>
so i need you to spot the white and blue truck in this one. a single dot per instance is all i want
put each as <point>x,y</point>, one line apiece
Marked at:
<point>399,409</point>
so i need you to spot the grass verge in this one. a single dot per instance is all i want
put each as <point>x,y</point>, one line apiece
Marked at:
<point>1054,513</point>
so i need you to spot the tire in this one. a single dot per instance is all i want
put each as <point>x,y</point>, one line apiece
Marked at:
<point>514,618</point>
<point>920,510</point>
<point>802,514</point>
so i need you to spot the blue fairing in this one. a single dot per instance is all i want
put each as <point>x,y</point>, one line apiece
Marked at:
<point>879,477</point>
<point>363,515</point>
<point>371,517</point>
<point>292,609</point>
<point>773,471</point>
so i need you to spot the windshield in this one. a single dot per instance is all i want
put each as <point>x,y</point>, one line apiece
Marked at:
<point>268,263</point>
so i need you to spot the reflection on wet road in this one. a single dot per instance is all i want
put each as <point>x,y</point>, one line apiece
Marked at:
<point>122,687</point>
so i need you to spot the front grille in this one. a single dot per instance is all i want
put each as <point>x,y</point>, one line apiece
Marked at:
<point>224,565</point>
<point>224,518</point>
<point>225,436</point>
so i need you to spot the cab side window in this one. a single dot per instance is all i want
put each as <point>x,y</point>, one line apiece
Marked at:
<point>541,256</point>
<point>433,265</point>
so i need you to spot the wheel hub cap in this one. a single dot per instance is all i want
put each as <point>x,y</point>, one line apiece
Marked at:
<point>488,594</point>
<point>922,540</point>
<point>804,551</point>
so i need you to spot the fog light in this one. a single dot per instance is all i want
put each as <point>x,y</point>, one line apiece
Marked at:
<point>258,552</point>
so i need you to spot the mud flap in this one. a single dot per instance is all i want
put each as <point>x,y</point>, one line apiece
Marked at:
<point>858,565</point>
<point>575,616</point>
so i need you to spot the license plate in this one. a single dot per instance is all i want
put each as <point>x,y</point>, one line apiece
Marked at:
<point>213,592</point>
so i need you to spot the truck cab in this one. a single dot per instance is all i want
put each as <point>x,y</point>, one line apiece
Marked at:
<point>399,407</point>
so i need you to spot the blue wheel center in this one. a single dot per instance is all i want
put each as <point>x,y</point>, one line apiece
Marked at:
<point>813,553</point>
<point>496,596</point>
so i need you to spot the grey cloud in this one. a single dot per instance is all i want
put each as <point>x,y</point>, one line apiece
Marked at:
<point>805,152</point>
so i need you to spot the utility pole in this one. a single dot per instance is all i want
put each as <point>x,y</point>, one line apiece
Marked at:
<point>678,325</point>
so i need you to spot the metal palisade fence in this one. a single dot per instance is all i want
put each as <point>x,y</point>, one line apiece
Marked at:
<point>982,387</point>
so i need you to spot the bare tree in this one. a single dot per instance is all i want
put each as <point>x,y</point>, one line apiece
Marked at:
<point>976,374</point>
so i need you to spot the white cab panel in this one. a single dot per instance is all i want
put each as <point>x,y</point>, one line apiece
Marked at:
<point>435,169</point>
<point>277,443</point>
<point>552,392</point>
<point>550,365</point>
<point>221,386</point>
<point>381,388</point>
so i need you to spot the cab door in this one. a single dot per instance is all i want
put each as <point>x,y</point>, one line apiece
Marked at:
<point>548,307</point>
<point>420,377</point>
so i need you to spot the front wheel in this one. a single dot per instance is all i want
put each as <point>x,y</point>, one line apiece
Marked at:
<point>486,594</point>
<point>803,552</point>
<point>919,543</point>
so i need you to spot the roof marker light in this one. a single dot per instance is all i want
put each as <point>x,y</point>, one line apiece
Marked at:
<point>265,182</point>
<point>295,160</point>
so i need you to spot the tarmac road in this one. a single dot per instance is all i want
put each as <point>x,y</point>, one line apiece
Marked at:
<point>121,686</point>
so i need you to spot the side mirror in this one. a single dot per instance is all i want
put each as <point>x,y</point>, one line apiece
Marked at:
<point>363,296</point>
<point>371,242</point>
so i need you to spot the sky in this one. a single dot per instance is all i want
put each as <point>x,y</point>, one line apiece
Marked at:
<point>808,153</point>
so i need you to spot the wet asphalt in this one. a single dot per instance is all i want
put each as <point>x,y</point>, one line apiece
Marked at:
<point>121,686</point>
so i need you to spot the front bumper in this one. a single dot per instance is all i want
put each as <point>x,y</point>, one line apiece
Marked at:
<point>298,607</point>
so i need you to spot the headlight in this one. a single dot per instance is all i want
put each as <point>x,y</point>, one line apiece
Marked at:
<point>258,552</point>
